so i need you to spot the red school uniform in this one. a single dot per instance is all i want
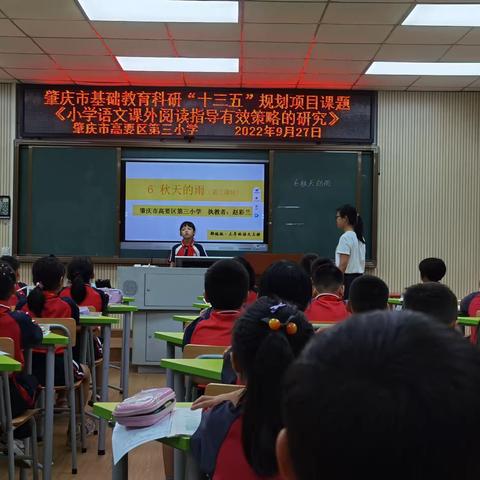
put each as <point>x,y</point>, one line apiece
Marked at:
<point>325,308</point>
<point>216,329</point>
<point>94,298</point>
<point>251,297</point>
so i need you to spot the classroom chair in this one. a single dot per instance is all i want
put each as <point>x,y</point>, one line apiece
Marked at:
<point>68,328</point>
<point>93,364</point>
<point>8,425</point>
<point>199,351</point>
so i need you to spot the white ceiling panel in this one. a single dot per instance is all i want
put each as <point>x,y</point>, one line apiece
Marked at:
<point>427,35</point>
<point>277,32</point>
<point>347,51</point>
<point>187,48</point>
<point>273,65</point>
<point>135,30</point>
<point>102,76</point>
<point>283,12</point>
<point>86,62</point>
<point>14,60</point>
<point>275,50</point>
<point>365,13</point>
<point>411,53</point>
<point>72,46</point>
<point>47,76</point>
<point>353,33</point>
<point>336,66</point>
<point>157,79</point>
<point>8,29</point>
<point>41,9</point>
<point>205,31</point>
<point>54,28</point>
<point>385,80</point>
<point>471,38</point>
<point>140,48</point>
<point>210,80</point>
<point>463,53</point>
<point>18,45</point>
<point>443,82</point>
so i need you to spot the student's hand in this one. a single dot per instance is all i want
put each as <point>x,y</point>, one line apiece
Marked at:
<point>208,402</point>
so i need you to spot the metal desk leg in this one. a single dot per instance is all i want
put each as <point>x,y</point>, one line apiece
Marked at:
<point>104,394</point>
<point>83,353</point>
<point>179,386</point>
<point>192,472</point>
<point>49,400</point>
<point>178,464</point>
<point>120,470</point>
<point>170,354</point>
<point>127,320</point>
<point>8,421</point>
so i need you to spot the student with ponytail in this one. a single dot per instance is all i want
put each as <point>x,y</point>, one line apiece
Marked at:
<point>80,274</point>
<point>350,251</point>
<point>236,438</point>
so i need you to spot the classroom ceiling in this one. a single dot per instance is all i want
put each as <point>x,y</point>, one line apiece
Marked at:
<point>304,44</point>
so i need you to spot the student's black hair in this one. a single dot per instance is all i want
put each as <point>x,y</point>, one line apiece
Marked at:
<point>79,272</point>
<point>187,224</point>
<point>321,261</point>
<point>7,280</point>
<point>288,281</point>
<point>354,219</point>
<point>12,261</point>
<point>306,262</point>
<point>434,299</point>
<point>432,269</point>
<point>226,284</point>
<point>368,293</point>
<point>327,278</point>
<point>395,390</point>
<point>263,355</point>
<point>250,271</point>
<point>47,274</point>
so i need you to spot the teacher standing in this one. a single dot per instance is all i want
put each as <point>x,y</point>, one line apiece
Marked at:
<point>350,251</point>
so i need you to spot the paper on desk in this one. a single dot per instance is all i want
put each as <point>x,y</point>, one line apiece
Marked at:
<point>182,421</point>
<point>3,353</point>
<point>84,310</point>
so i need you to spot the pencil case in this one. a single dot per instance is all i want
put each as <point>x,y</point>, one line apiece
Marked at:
<point>145,408</point>
<point>114,295</point>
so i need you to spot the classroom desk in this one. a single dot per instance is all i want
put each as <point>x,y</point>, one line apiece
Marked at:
<point>319,326</point>
<point>395,301</point>
<point>9,365</point>
<point>469,321</point>
<point>184,466</point>
<point>201,305</point>
<point>184,318</point>
<point>209,368</point>
<point>127,312</point>
<point>173,339</point>
<point>201,298</point>
<point>87,321</point>
<point>127,300</point>
<point>51,341</point>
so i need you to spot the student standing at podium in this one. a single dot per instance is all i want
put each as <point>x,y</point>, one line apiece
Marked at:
<point>188,247</point>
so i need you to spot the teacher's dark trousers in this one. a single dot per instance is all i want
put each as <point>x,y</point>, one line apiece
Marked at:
<point>348,278</point>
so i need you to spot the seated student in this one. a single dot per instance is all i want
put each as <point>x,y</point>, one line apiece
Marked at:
<point>469,307</point>
<point>252,289</point>
<point>236,438</point>
<point>306,262</point>
<point>226,289</point>
<point>432,269</point>
<point>434,299</point>
<point>20,288</point>
<point>25,333</point>
<point>368,293</point>
<point>288,281</point>
<point>80,274</point>
<point>44,301</point>
<point>384,395</point>
<point>328,304</point>
<point>187,247</point>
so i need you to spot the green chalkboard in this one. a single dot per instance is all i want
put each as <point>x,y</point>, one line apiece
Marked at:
<point>307,188</point>
<point>68,201</point>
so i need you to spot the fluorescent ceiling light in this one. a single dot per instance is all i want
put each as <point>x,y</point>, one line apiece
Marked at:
<point>424,68</point>
<point>444,16</point>
<point>161,10</point>
<point>178,64</point>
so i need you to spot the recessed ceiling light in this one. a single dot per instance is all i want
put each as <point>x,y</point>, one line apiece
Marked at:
<point>444,15</point>
<point>424,68</point>
<point>161,11</point>
<point>178,64</point>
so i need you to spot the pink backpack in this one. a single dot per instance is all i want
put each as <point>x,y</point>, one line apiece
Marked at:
<point>145,408</point>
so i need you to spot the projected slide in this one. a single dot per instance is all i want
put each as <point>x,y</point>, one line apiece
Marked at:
<point>225,201</point>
